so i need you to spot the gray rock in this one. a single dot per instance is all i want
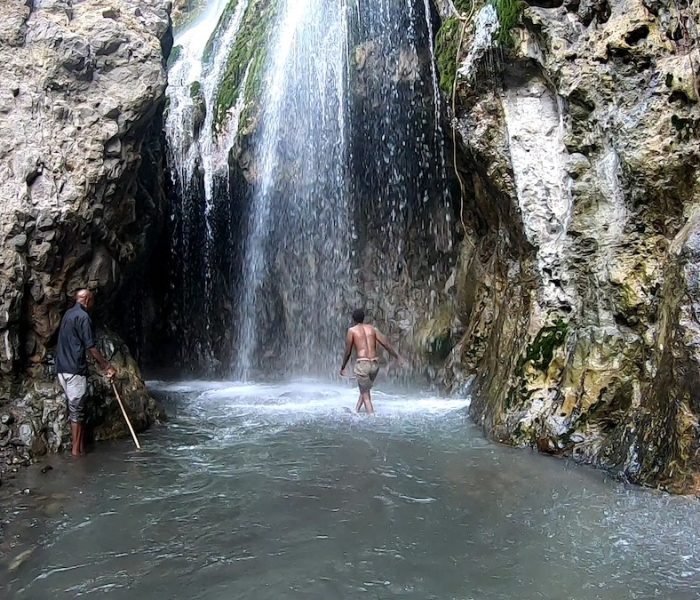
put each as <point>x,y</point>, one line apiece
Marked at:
<point>93,82</point>
<point>19,241</point>
<point>26,434</point>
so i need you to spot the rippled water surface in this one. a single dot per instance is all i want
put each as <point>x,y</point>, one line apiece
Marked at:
<point>279,491</point>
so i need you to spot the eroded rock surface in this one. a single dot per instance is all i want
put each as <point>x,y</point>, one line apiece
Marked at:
<point>80,119</point>
<point>576,293</point>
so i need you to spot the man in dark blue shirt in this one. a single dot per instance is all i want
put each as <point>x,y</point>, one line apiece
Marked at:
<point>75,338</point>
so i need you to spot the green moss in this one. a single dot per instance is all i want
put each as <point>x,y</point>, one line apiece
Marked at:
<point>175,54</point>
<point>541,351</point>
<point>463,6</point>
<point>195,89</point>
<point>248,52</point>
<point>509,12</point>
<point>446,52</point>
<point>220,26</point>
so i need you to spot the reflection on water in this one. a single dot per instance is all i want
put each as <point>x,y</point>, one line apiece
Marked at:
<point>280,491</point>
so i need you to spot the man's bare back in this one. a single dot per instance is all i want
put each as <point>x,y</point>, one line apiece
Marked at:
<point>364,340</point>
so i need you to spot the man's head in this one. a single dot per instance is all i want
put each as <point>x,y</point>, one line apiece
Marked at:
<point>358,315</point>
<point>85,298</point>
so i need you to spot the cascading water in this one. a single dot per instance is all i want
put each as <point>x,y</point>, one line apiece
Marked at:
<point>198,159</point>
<point>343,173</point>
<point>297,276</point>
<point>350,153</point>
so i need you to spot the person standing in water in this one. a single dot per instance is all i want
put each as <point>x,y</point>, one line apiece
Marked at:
<point>364,339</point>
<point>75,337</point>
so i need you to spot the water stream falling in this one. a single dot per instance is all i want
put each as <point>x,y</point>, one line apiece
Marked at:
<point>352,165</point>
<point>198,154</point>
<point>345,182</point>
<point>298,247</point>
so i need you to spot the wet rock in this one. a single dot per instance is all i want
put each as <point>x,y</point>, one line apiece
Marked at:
<point>97,88</point>
<point>19,560</point>
<point>19,241</point>
<point>577,278</point>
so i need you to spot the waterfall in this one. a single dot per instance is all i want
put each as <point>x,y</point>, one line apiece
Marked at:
<point>198,155</point>
<point>342,192</point>
<point>296,277</point>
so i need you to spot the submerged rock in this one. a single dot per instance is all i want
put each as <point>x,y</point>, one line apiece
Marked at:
<point>40,415</point>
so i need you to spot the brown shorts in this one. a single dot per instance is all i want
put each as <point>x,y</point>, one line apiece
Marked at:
<point>366,372</point>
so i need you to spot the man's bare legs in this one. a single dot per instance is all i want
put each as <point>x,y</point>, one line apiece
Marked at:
<point>75,436</point>
<point>77,431</point>
<point>366,401</point>
<point>81,435</point>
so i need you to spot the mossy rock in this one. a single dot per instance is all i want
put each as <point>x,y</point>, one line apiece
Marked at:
<point>195,89</point>
<point>436,338</point>
<point>175,55</point>
<point>541,351</point>
<point>446,48</point>
<point>248,53</point>
<point>463,6</point>
<point>220,26</point>
<point>509,13</point>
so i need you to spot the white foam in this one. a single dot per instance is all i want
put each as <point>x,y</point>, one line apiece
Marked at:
<point>305,398</point>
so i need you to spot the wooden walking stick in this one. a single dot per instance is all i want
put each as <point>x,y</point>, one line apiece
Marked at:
<point>126,418</point>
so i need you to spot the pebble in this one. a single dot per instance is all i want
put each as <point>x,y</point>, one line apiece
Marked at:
<point>20,559</point>
<point>53,509</point>
<point>46,468</point>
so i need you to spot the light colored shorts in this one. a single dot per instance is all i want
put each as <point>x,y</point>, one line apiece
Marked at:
<point>366,372</point>
<point>75,388</point>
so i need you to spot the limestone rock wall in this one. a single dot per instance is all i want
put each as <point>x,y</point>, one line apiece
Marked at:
<point>81,194</point>
<point>576,292</point>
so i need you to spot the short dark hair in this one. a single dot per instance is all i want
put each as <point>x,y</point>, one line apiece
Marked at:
<point>358,315</point>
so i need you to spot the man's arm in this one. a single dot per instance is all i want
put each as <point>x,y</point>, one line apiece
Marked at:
<point>89,340</point>
<point>349,340</point>
<point>109,370</point>
<point>385,343</point>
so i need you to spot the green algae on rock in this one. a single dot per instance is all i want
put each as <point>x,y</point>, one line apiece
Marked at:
<point>446,48</point>
<point>509,12</point>
<point>220,27</point>
<point>541,351</point>
<point>248,55</point>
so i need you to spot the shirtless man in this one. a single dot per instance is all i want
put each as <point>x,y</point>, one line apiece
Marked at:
<point>364,339</point>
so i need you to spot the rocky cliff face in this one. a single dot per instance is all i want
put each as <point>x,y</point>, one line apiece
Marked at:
<point>576,296</point>
<point>80,169</point>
